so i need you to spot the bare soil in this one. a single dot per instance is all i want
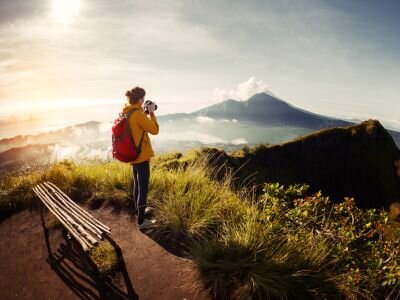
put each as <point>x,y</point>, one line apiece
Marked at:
<point>147,270</point>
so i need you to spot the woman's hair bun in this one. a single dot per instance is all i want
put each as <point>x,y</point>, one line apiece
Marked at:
<point>135,94</point>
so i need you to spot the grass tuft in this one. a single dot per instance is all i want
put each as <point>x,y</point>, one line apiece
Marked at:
<point>104,257</point>
<point>189,203</point>
<point>249,260</point>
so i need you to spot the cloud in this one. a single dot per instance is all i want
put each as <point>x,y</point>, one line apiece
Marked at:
<point>243,91</point>
<point>45,57</point>
<point>11,11</point>
<point>81,152</point>
<point>308,53</point>
<point>394,123</point>
<point>202,119</point>
<point>239,141</point>
<point>187,136</point>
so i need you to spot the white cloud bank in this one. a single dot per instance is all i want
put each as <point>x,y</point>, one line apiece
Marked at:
<point>204,119</point>
<point>243,91</point>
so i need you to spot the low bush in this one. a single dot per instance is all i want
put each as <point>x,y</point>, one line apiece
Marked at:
<point>363,260</point>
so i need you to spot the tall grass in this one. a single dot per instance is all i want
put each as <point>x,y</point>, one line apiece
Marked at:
<point>101,178</point>
<point>238,254</point>
<point>79,181</point>
<point>248,260</point>
<point>190,203</point>
<point>16,193</point>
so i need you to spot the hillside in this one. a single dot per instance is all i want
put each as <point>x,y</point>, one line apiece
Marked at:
<point>15,158</point>
<point>88,131</point>
<point>355,161</point>
<point>286,243</point>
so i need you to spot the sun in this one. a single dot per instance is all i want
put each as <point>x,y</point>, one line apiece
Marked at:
<point>65,10</point>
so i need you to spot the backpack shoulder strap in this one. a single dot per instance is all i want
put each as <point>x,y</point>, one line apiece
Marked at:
<point>128,114</point>
<point>140,143</point>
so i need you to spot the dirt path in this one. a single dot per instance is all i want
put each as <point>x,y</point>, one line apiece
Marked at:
<point>151,271</point>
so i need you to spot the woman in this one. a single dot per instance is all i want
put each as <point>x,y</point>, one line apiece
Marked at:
<point>139,123</point>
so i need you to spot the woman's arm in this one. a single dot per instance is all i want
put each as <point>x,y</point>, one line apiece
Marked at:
<point>149,125</point>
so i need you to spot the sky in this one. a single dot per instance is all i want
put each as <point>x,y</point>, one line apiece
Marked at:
<point>339,58</point>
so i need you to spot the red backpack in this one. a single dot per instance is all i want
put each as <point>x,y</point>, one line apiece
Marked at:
<point>123,146</point>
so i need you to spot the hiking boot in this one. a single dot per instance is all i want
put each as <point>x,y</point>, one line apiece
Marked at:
<point>148,211</point>
<point>146,224</point>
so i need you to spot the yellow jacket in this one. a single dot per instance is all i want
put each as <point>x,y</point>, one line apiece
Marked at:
<point>138,122</point>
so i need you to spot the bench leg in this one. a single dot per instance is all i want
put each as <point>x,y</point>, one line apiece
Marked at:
<point>51,258</point>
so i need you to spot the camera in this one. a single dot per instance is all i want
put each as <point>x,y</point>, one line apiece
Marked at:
<point>146,104</point>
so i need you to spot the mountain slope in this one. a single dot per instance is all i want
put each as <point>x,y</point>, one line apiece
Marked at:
<point>268,110</point>
<point>263,108</point>
<point>356,161</point>
<point>90,129</point>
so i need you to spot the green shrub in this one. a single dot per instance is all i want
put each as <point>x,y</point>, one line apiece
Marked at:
<point>364,260</point>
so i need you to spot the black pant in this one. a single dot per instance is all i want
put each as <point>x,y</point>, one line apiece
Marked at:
<point>141,176</point>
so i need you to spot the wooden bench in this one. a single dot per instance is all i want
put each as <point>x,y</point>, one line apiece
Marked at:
<point>86,229</point>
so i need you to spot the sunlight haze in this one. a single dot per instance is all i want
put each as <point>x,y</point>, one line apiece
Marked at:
<point>330,57</point>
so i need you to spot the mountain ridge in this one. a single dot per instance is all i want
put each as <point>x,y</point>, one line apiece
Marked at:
<point>269,110</point>
<point>264,105</point>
